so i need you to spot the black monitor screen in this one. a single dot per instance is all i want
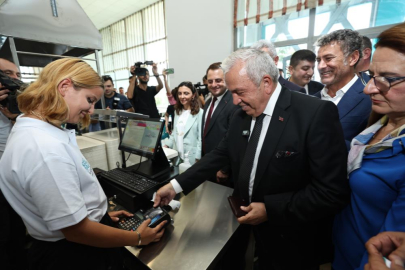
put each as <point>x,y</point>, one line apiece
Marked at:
<point>141,137</point>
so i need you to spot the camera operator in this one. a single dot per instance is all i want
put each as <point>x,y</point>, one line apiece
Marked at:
<point>142,95</point>
<point>12,229</point>
<point>11,70</point>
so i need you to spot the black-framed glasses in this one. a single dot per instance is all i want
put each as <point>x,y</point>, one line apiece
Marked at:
<point>382,83</point>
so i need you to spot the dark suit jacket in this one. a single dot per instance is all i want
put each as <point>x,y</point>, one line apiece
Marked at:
<point>301,192</point>
<point>354,109</point>
<point>218,126</point>
<point>290,85</point>
<point>314,87</point>
<point>219,123</point>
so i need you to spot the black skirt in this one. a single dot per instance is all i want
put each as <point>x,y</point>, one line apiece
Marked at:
<point>63,254</point>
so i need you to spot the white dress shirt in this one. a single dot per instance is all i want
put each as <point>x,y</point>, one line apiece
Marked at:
<point>339,94</point>
<point>306,89</point>
<point>268,111</point>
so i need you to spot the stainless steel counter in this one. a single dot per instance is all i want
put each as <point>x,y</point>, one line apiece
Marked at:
<point>202,226</point>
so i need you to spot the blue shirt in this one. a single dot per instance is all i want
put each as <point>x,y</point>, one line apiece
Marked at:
<point>121,102</point>
<point>377,205</point>
<point>116,102</point>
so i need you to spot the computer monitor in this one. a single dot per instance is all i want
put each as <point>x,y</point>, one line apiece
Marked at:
<point>142,137</point>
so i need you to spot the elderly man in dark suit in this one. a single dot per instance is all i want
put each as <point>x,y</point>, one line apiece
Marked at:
<point>218,111</point>
<point>339,53</point>
<point>288,158</point>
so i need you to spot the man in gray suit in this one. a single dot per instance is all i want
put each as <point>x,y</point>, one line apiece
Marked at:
<point>218,111</point>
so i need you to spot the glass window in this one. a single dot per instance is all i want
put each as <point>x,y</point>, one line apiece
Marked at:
<point>336,26</point>
<point>284,55</point>
<point>251,34</point>
<point>137,38</point>
<point>359,22</point>
<point>269,31</point>
<point>321,20</point>
<point>390,12</point>
<point>298,28</point>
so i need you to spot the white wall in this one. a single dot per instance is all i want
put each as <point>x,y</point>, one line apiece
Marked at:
<point>199,33</point>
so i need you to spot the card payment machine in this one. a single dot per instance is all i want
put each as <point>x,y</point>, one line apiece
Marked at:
<point>156,215</point>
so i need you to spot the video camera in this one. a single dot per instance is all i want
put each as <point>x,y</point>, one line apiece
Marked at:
<point>15,87</point>
<point>139,70</point>
<point>201,88</point>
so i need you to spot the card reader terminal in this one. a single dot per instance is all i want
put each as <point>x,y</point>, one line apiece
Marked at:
<point>156,215</point>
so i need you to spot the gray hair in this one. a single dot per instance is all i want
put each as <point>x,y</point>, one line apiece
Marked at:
<point>349,41</point>
<point>257,64</point>
<point>259,45</point>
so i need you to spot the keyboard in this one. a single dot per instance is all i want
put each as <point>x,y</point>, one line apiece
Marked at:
<point>129,180</point>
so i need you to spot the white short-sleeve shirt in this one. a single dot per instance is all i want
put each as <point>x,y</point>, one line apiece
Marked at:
<point>47,181</point>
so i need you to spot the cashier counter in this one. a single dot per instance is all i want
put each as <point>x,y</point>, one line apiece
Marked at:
<point>200,230</point>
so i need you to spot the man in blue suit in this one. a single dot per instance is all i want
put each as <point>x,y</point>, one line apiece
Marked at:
<point>338,55</point>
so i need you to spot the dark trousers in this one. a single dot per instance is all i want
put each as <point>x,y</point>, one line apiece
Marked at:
<point>274,253</point>
<point>12,237</point>
<point>63,254</point>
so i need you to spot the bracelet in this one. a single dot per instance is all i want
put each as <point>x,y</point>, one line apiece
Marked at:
<point>139,238</point>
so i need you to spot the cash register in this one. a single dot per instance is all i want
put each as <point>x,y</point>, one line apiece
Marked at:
<point>134,184</point>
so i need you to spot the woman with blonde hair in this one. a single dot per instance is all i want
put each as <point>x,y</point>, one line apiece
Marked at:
<point>49,183</point>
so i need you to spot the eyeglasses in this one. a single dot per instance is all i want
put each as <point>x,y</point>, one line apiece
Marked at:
<point>382,83</point>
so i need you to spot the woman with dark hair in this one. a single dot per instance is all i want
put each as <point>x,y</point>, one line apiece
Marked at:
<point>186,134</point>
<point>169,115</point>
<point>376,163</point>
<point>49,183</point>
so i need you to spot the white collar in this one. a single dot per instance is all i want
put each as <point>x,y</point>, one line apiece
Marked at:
<point>343,90</point>
<point>64,135</point>
<point>272,101</point>
<point>220,97</point>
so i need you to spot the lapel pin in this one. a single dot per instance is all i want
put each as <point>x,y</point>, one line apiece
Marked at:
<point>280,119</point>
<point>245,133</point>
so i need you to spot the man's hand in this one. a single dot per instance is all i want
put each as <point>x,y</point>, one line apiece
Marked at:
<point>256,214</point>
<point>115,215</point>
<point>222,177</point>
<point>3,93</point>
<point>132,70</point>
<point>7,113</point>
<point>164,73</point>
<point>154,69</point>
<point>387,244</point>
<point>164,195</point>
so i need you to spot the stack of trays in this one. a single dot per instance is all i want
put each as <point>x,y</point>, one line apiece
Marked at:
<point>111,139</point>
<point>93,151</point>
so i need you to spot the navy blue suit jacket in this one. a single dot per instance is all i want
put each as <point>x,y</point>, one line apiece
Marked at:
<point>354,109</point>
<point>314,87</point>
<point>292,86</point>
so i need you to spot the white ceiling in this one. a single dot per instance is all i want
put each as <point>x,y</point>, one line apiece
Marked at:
<point>105,12</point>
